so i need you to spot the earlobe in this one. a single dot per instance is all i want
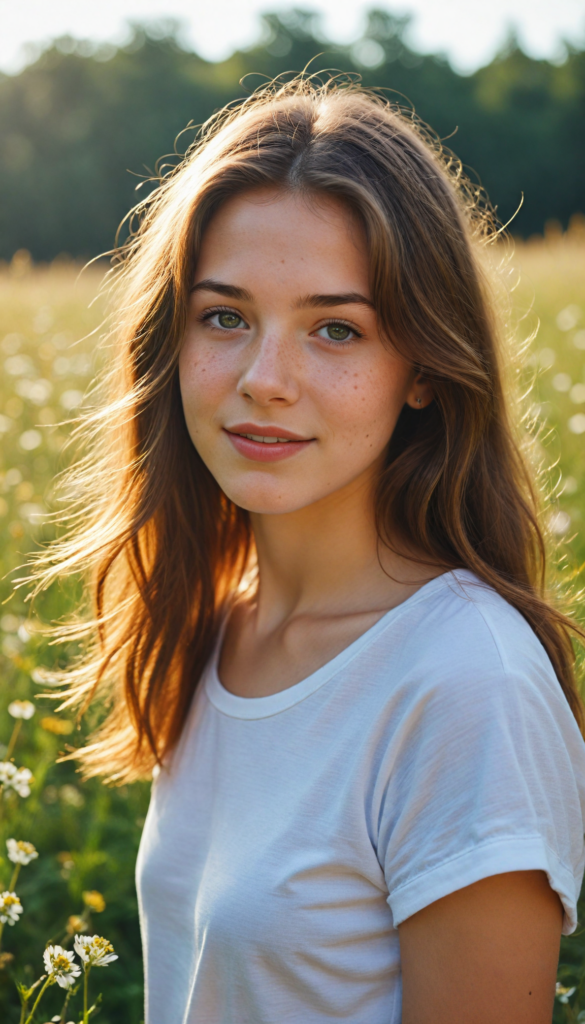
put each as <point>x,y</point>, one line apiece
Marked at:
<point>420,394</point>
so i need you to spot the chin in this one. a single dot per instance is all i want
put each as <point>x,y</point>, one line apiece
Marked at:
<point>268,500</point>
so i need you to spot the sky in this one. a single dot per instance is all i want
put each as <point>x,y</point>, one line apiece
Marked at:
<point>469,32</point>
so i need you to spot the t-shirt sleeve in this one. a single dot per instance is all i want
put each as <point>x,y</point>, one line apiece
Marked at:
<point>485,776</point>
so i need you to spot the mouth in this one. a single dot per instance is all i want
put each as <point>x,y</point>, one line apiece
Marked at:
<point>261,439</point>
<point>265,444</point>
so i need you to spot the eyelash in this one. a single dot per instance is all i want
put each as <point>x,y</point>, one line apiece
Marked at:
<point>340,323</point>
<point>206,315</point>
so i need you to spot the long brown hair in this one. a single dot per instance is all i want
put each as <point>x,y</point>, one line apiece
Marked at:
<point>160,544</point>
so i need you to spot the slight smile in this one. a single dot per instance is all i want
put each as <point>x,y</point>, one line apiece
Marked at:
<point>265,444</point>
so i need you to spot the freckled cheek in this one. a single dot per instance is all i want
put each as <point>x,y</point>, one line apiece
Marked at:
<point>207,377</point>
<point>361,408</point>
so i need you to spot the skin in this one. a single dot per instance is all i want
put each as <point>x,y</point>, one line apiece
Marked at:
<point>261,349</point>
<point>487,954</point>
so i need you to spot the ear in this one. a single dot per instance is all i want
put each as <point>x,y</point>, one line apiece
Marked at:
<point>420,394</point>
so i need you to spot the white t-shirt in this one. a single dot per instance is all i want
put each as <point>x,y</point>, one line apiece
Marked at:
<point>290,835</point>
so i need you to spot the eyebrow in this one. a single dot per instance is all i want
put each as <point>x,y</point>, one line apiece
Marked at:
<point>232,291</point>
<point>341,299</point>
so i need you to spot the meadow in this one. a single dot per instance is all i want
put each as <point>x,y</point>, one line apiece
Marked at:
<point>87,835</point>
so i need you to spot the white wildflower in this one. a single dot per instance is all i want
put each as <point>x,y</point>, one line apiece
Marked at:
<point>7,772</point>
<point>21,781</point>
<point>21,709</point>
<point>94,950</point>
<point>20,852</point>
<point>59,963</point>
<point>18,779</point>
<point>563,993</point>
<point>10,908</point>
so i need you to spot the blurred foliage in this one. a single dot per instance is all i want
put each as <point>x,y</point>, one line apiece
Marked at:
<point>75,120</point>
<point>87,835</point>
<point>87,839</point>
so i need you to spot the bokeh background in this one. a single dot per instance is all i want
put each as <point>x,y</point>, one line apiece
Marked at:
<point>92,106</point>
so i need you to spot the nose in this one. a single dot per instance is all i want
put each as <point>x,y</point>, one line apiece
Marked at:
<point>271,375</point>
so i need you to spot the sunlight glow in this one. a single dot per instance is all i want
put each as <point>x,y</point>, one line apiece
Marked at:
<point>468,33</point>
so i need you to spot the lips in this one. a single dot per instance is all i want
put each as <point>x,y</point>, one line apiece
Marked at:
<point>261,439</point>
<point>265,431</point>
<point>265,444</point>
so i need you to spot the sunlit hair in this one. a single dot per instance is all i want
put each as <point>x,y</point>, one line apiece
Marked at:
<point>161,547</point>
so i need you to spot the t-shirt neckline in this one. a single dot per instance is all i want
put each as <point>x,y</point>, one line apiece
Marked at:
<point>264,707</point>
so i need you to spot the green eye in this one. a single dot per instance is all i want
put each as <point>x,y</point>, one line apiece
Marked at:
<point>229,320</point>
<point>336,332</point>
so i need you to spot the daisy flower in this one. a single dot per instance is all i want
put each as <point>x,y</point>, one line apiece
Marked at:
<point>60,965</point>
<point>10,908</point>
<point>21,709</point>
<point>94,950</point>
<point>563,993</point>
<point>18,779</point>
<point>20,852</point>
<point>21,781</point>
<point>7,772</point>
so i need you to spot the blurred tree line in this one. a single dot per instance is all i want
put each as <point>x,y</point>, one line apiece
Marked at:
<point>75,121</point>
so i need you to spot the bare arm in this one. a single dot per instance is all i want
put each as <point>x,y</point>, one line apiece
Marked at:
<point>486,954</point>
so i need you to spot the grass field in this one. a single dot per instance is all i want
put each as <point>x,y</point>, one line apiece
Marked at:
<point>86,835</point>
<point>550,300</point>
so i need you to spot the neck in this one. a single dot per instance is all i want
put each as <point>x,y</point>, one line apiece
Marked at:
<point>327,558</point>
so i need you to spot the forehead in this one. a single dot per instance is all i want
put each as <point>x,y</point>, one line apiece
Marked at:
<point>266,232</point>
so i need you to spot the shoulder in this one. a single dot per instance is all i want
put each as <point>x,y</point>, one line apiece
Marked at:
<point>462,622</point>
<point>479,766</point>
<point>459,648</point>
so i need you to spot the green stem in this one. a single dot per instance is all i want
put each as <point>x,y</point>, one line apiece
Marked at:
<point>48,982</point>
<point>14,878</point>
<point>13,739</point>
<point>85,981</point>
<point>65,1005</point>
<point>1,930</point>
<point>26,993</point>
<point>570,1012</point>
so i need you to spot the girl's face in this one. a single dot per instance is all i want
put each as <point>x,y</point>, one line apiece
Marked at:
<point>289,392</point>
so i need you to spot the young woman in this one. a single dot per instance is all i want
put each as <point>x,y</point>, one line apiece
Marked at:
<point>318,582</point>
